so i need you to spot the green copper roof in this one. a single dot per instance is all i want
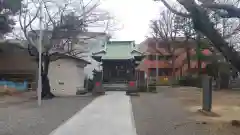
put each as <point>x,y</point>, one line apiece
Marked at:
<point>136,53</point>
<point>116,50</point>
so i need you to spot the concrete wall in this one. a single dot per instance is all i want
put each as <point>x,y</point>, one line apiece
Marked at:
<point>66,76</point>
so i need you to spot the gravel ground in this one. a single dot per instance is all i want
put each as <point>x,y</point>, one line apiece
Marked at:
<point>156,114</point>
<point>28,119</point>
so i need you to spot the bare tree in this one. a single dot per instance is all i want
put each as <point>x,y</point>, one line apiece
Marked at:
<point>164,31</point>
<point>66,24</point>
<point>199,12</point>
<point>185,28</point>
<point>177,32</point>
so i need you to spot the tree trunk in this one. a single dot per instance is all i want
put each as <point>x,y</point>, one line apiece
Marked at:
<point>173,67</point>
<point>46,89</point>
<point>187,49</point>
<point>218,81</point>
<point>199,66</point>
<point>224,81</point>
<point>198,53</point>
<point>188,58</point>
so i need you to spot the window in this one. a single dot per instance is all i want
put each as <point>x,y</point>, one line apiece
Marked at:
<point>161,72</point>
<point>164,72</point>
<point>160,57</point>
<point>166,57</point>
<point>151,57</point>
<point>152,72</point>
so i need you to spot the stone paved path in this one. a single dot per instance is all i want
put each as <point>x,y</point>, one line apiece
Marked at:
<point>110,114</point>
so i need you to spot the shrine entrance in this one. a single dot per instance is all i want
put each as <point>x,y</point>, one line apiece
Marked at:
<point>119,60</point>
<point>115,71</point>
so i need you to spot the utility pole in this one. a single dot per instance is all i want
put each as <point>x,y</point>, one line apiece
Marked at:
<point>39,90</point>
<point>156,62</point>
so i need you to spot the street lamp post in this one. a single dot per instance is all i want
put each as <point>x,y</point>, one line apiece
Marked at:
<point>39,90</point>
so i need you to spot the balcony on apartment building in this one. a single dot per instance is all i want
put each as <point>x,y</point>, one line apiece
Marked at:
<point>163,63</point>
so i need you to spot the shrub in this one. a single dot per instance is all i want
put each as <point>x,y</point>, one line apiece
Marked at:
<point>152,87</point>
<point>142,88</point>
<point>193,81</point>
<point>88,84</point>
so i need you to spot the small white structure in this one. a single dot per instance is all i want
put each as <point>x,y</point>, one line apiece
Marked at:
<point>66,75</point>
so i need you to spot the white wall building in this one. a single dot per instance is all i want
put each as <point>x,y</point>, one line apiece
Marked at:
<point>66,75</point>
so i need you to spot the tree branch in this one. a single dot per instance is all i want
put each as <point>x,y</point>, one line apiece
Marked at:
<point>173,10</point>
<point>203,24</point>
<point>33,19</point>
<point>49,15</point>
<point>59,16</point>
<point>24,28</point>
<point>234,32</point>
<point>230,10</point>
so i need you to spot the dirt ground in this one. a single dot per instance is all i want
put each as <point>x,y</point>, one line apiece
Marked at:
<point>225,107</point>
<point>157,114</point>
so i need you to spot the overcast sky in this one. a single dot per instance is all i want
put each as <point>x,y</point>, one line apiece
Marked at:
<point>134,15</point>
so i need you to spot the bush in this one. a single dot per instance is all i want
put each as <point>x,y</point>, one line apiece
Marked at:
<point>142,88</point>
<point>152,87</point>
<point>88,85</point>
<point>193,81</point>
